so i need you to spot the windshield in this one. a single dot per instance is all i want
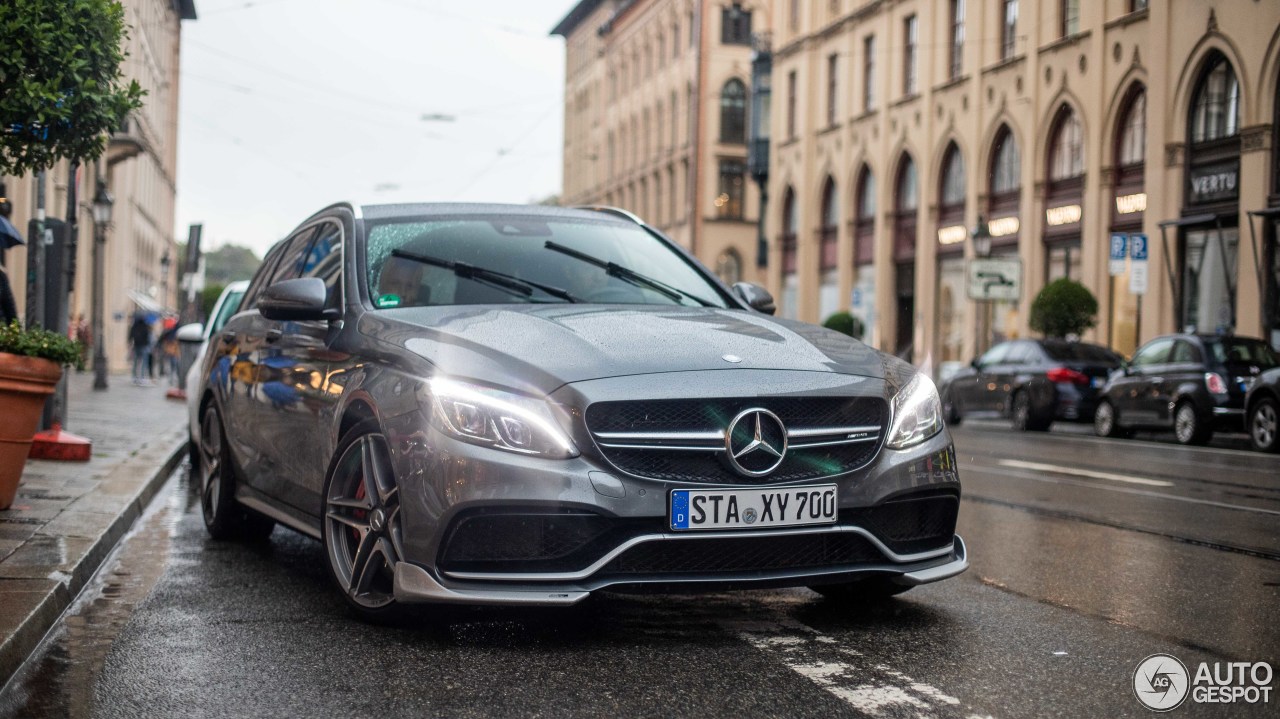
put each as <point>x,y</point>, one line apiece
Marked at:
<point>523,259</point>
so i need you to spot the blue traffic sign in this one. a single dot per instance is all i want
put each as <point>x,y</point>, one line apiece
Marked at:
<point>1119,246</point>
<point>1138,247</point>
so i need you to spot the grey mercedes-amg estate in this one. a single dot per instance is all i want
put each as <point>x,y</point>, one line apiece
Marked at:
<point>492,404</point>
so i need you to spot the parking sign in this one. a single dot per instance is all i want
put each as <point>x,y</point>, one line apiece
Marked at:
<point>1138,267</point>
<point>1119,250</point>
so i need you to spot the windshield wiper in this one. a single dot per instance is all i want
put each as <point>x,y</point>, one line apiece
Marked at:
<point>516,285</point>
<point>627,274</point>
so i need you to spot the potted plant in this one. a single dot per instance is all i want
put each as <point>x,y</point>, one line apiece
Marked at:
<point>1064,308</point>
<point>31,364</point>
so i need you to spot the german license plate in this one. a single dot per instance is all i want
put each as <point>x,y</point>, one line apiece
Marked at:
<point>752,508</point>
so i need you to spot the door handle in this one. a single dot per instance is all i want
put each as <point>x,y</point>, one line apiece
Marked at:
<point>229,337</point>
<point>273,336</point>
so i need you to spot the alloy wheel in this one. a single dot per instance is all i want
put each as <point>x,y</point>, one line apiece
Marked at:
<point>210,465</point>
<point>1104,420</point>
<point>1263,426</point>
<point>1185,423</point>
<point>362,522</point>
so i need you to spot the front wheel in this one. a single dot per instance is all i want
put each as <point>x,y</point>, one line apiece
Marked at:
<point>362,526</point>
<point>1264,431</point>
<point>1188,428</point>
<point>1106,422</point>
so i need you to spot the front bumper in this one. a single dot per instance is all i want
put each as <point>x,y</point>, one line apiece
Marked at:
<point>414,584</point>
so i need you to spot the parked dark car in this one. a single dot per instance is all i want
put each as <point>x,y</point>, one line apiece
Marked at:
<point>1033,382</point>
<point>1262,411</point>
<point>490,404</point>
<point>1191,384</point>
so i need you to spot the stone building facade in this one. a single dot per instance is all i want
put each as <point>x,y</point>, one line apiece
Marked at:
<point>656,103</point>
<point>899,124</point>
<point>140,168</point>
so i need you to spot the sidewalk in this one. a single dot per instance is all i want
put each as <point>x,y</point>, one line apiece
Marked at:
<point>68,516</point>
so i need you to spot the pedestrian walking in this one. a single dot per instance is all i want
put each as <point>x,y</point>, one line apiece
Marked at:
<point>81,333</point>
<point>169,351</point>
<point>8,307</point>
<point>140,343</point>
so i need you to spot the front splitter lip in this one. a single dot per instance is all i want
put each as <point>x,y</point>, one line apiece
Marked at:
<point>413,584</point>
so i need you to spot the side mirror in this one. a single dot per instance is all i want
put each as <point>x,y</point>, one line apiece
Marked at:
<point>975,363</point>
<point>301,299</point>
<point>756,297</point>
<point>192,333</point>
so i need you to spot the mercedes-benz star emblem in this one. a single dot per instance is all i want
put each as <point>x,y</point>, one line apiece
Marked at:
<point>755,442</point>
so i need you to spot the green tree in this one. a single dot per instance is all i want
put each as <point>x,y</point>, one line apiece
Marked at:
<point>61,89</point>
<point>1064,307</point>
<point>209,297</point>
<point>228,264</point>
<point>845,323</point>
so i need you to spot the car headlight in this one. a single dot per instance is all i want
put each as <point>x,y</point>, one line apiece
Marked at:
<point>917,413</point>
<point>494,418</point>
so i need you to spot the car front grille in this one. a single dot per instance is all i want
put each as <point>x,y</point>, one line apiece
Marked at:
<point>683,440</point>
<point>913,523</point>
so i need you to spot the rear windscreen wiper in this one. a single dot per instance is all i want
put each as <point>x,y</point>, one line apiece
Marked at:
<point>627,274</point>
<point>516,285</point>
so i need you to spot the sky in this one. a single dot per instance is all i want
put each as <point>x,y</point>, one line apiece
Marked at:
<point>287,106</point>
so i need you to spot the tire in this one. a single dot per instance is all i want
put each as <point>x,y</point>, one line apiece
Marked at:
<point>1187,425</point>
<point>950,412</point>
<point>866,591</point>
<point>1264,430</point>
<point>361,525</point>
<point>1106,421</point>
<point>1024,419</point>
<point>224,518</point>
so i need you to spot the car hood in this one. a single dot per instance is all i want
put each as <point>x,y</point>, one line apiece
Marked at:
<point>545,346</point>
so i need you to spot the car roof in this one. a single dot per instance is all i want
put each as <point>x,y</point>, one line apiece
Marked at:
<point>425,209</point>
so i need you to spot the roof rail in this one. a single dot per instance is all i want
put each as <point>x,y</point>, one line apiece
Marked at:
<point>616,211</point>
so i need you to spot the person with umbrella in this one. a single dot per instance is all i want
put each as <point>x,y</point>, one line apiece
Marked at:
<point>9,237</point>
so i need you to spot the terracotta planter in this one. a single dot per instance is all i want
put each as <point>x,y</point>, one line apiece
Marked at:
<point>25,384</point>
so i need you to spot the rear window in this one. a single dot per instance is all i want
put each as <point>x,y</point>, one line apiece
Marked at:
<point>1080,351</point>
<point>1240,351</point>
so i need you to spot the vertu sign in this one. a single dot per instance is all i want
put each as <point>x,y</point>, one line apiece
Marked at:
<point>1214,183</point>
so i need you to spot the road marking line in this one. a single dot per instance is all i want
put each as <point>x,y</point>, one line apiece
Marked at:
<point>872,688</point>
<point>1059,469</point>
<point>1126,490</point>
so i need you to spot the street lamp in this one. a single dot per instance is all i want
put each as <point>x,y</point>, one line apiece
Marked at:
<point>102,202</point>
<point>981,236</point>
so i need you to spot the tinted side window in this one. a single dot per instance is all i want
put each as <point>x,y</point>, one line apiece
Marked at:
<point>1186,353</point>
<point>262,278</point>
<point>229,307</point>
<point>294,258</point>
<point>1157,352</point>
<point>1021,353</point>
<point>324,260</point>
<point>995,355</point>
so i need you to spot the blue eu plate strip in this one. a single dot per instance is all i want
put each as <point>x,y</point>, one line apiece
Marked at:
<point>680,509</point>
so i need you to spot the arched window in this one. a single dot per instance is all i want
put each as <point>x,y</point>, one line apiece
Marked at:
<point>1132,146</point>
<point>952,189</point>
<point>790,227</point>
<point>865,218</point>
<point>830,221</point>
<point>1006,163</point>
<point>729,267</point>
<point>1066,146</point>
<point>907,198</point>
<point>733,112</point>
<point>1215,113</point>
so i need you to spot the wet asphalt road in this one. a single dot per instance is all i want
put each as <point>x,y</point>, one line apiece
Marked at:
<point>1088,555</point>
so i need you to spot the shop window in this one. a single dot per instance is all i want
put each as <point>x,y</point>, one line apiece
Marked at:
<point>732,185</point>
